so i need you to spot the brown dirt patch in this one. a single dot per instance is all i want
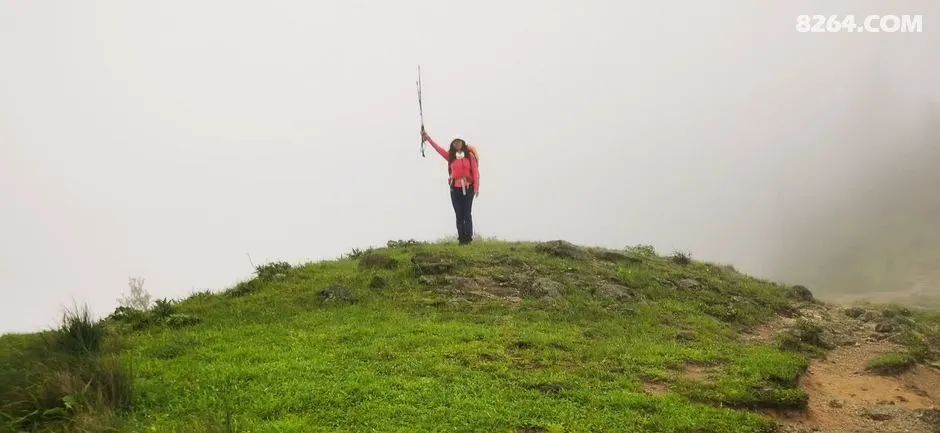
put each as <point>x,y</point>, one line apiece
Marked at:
<point>841,393</point>
<point>698,372</point>
<point>655,388</point>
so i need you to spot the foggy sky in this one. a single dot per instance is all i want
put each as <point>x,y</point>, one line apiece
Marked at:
<point>167,140</point>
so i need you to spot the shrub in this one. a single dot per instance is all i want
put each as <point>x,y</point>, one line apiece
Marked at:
<point>273,270</point>
<point>642,250</point>
<point>681,258</point>
<point>79,333</point>
<point>162,309</point>
<point>136,319</point>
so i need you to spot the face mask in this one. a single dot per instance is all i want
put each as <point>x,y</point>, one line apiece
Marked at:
<point>460,155</point>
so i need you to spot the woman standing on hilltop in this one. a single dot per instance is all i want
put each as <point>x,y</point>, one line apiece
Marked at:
<point>464,181</point>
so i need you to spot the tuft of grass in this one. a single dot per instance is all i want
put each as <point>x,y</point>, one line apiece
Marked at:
<point>636,277</point>
<point>892,363</point>
<point>67,380</point>
<point>80,333</point>
<point>805,337</point>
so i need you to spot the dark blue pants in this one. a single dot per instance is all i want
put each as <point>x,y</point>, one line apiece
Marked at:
<point>463,203</point>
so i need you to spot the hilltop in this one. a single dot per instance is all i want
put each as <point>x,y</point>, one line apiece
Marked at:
<point>494,337</point>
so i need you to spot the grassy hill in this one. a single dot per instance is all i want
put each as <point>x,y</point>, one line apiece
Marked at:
<point>494,337</point>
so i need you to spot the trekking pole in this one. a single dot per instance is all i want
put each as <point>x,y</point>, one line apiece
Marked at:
<point>420,111</point>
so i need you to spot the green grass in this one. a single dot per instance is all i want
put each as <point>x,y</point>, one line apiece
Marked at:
<point>892,363</point>
<point>415,354</point>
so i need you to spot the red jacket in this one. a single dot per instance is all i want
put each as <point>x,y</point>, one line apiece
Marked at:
<point>466,168</point>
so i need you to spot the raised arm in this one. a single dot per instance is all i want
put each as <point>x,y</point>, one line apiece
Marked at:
<point>439,149</point>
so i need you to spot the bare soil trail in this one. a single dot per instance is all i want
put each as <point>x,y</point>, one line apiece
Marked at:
<point>844,395</point>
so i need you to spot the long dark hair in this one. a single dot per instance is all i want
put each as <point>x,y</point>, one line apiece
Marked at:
<point>452,153</point>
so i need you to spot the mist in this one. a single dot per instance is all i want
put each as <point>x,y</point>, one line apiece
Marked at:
<point>173,140</point>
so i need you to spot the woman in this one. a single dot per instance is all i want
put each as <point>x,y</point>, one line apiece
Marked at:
<point>464,181</point>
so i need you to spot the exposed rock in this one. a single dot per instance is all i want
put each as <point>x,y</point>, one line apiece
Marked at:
<point>562,249</point>
<point>613,291</point>
<point>930,416</point>
<point>880,412</point>
<point>429,280</point>
<point>336,294</point>
<point>837,404</point>
<point>801,293</point>
<point>688,284</point>
<point>884,327</point>
<point>854,312</point>
<point>424,263</point>
<point>376,260</point>
<point>613,256</point>
<point>469,288</point>
<point>543,287</point>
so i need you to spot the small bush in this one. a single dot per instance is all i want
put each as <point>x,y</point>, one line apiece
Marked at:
<point>162,313</point>
<point>136,319</point>
<point>162,309</point>
<point>79,333</point>
<point>641,250</point>
<point>273,270</point>
<point>892,363</point>
<point>355,253</point>
<point>681,258</point>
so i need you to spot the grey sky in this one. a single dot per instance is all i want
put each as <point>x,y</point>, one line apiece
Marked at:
<point>168,139</point>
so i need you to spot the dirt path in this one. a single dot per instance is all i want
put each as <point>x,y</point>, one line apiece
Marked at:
<point>844,397</point>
